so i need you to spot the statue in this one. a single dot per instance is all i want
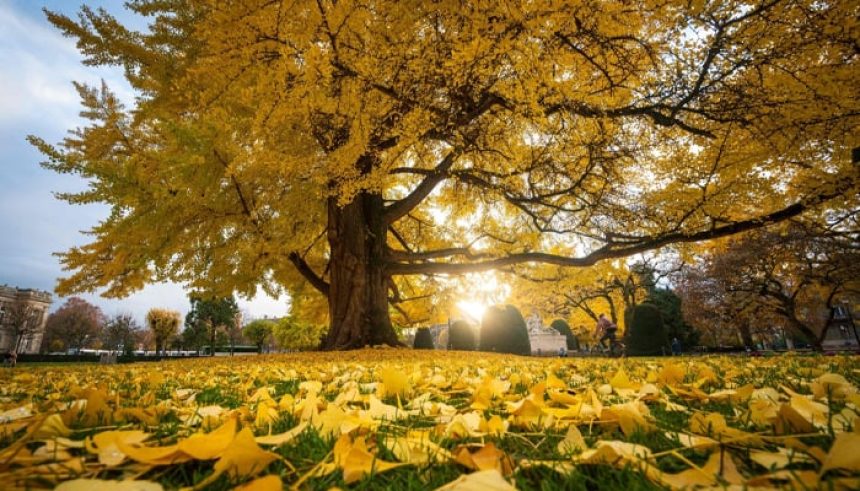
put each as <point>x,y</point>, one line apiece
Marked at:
<point>534,322</point>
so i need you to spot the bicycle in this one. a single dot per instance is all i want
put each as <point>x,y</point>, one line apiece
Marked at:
<point>616,348</point>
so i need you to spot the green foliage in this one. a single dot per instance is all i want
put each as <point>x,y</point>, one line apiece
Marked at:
<point>423,339</point>
<point>293,334</point>
<point>563,327</point>
<point>212,316</point>
<point>258,332</point>
<point>461,336</point>
<point>504,330</point>
<point>646,334</point>
<point>669,304</point>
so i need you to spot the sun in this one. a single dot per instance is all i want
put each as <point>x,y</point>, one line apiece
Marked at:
<point>472,309</point>
<point>478,292</point>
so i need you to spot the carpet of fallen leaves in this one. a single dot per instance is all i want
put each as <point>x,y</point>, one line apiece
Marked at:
<point>400,418</point>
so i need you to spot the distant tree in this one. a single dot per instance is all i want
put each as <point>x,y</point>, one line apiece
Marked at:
<point>462,336</point>
<point>121,332</point>
<point>646,334</point>
<point>213,315</point>
<point>504,330</point>
<point>194,336</point>
<point>291,333</point>
<point>669,304</point>
<point>562,327</point>
<point>76,324</point>
<point>259,332</point>
<point>423,339</point>
<point>790,274</point>
<point>164,324</point>
<point>22,320</point>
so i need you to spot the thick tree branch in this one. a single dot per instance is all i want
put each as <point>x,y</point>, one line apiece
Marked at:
<point>435,254</point>
<point>305,269</point>
<point>614,250</point>
<point>401,207</point>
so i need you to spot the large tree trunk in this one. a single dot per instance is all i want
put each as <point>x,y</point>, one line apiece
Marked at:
<point>358,286</point>
<point>807,332</point>
<point>746,335</point>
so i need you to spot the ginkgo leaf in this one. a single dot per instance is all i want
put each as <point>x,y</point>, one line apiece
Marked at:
<point>153,455</point>
<point>267,483</point>
<point>206,446</point>
<point>572,442</point>
<point>394,383</point>
<point>107,447</point>
<point>488,480</point>
<point>243,457</point>
<point>282,438</point>
<point>100,484</point>
<point>844,454</point>
<point>487,457</point>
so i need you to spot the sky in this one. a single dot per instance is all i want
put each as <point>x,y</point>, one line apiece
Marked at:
<point>37,67</point>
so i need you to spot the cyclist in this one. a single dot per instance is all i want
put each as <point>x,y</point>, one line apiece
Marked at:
<point>606,330</point>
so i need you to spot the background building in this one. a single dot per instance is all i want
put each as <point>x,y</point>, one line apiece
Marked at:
<point>23,313</point>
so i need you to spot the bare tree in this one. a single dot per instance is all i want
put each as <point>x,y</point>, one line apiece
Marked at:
<point>22,320</point>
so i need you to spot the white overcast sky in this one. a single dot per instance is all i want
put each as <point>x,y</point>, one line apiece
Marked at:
<point>37,67</point>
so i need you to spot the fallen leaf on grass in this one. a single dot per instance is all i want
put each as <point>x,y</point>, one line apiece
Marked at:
<point>490,480</point>
<point>282,438</point>
<point>572,442</point>
<point>268,483</point>
<point>844,454</point>
<point>105,445</point>
<point>207,446</point>
<point>102,485</point>
<point>486,458</point>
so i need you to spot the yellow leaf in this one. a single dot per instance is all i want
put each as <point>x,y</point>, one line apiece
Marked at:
<point>153,455</point>
<point>572,442</point>
<point>282,438</point>
<point>207,446</point>
<point>394,382</point>
<point>243,457</point>
<point>813,412</point>
<point>416,448</point>
<point>102,485</point>
<point>356,462</point>
<point>106,445</point>
<point>844,454</point>
<point>621,381</point>
<point>671,374</point>
<point>490,480</point>
<point>553,382</point>
<point>719,466</point>
<point>51,427</point>
<point>268,483</point>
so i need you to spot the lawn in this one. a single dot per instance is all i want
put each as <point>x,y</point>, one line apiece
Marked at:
<point>402,419</point>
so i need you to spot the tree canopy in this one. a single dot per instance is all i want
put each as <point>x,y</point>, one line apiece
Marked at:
<point>355,145</point>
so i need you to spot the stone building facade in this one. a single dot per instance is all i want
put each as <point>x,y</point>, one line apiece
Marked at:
<point>545,341</point>
<point>36,303</point>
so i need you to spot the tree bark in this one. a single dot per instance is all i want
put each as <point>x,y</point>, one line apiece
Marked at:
<point>358,286</point>
<point>746,335</point>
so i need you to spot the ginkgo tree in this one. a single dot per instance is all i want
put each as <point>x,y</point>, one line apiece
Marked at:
<point>352,144</point>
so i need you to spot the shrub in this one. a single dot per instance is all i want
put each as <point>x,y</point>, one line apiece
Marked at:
<point>504,330</point>
<point>563,327</point>
<point>646,334</point>
<point>423,339</point>
<point>461,336</point>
